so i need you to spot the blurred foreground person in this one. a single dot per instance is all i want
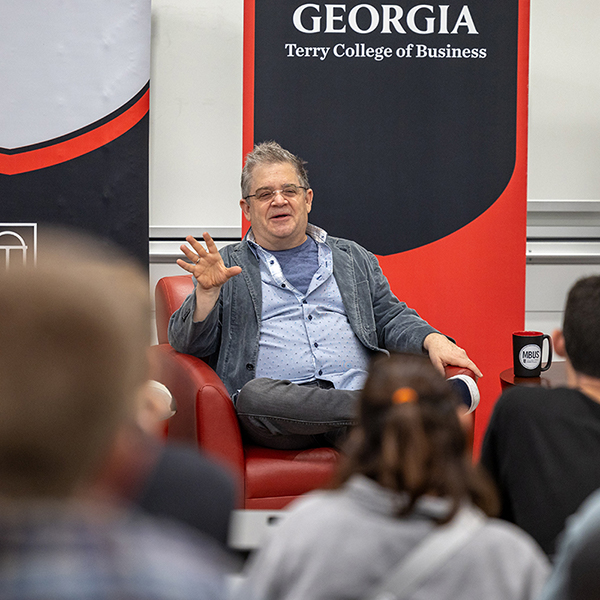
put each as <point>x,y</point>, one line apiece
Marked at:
<point>407,478</point>
<point>73,339</point>
<point>184,483</point>
<point>576,574</point>
<point>166,479</point>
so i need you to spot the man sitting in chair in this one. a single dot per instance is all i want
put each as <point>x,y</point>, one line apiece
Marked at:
<point>290,317</point>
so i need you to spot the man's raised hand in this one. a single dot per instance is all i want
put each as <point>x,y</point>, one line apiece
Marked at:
<point>209,271</point>
<point>206,266</point>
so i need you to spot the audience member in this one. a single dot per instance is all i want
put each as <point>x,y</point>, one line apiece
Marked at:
<point>406,477</point>
<point>73,339</point>
<point>576,574</point>
<point>290,316</point>
<point>542,445</point>
<point>184,483</point>
<point>164,478</point>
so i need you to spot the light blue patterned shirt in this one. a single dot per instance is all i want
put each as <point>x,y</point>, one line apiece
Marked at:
<point>307,336</point>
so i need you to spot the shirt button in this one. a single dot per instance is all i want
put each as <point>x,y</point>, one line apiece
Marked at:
<point>310,317</point>
<point>320,372</point>
<point>316,345</point>
<point>249,367</point>
<point>283,285</point>
<point>272,262</point>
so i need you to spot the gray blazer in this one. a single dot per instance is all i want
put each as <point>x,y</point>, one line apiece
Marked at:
<point>228,338</point>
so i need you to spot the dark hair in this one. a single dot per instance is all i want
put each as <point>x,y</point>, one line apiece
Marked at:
<point>417,447</point>
<point>581,326</point>
<point>268,153</point>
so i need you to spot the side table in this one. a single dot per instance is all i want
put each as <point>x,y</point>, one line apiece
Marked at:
<point>555,376</point>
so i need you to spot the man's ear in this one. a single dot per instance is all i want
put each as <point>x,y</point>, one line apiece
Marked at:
<point>245,208</point>
<point>309,199</point>
<point>558,341</point>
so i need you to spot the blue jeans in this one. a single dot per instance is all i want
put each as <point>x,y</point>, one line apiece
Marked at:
<point>287,416</point>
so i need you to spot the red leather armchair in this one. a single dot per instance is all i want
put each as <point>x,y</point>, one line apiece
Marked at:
<point>206,417</point>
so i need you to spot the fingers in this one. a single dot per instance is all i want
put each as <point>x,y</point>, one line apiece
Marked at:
<point>198,251</point>
<point>195,244</point>
<point>438,364</point>
<point>206,264</point>
<point>463,360</point>
<point>475,368</point>
<point>233,271</point>
<point>186,265</point>
<point>210,244</point>
<point>192,255</point>
<point>443,352</point>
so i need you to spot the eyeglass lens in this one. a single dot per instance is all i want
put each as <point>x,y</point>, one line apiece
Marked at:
<point>288,192</point>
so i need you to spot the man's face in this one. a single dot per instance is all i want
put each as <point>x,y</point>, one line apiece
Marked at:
<point>278,223</point>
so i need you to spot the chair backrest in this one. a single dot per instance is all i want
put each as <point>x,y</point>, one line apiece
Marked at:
<point>169,294</point>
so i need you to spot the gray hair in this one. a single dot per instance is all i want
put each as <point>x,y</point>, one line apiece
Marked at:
<point>268,153</point>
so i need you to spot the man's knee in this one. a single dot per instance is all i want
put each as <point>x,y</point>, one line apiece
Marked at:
<point>284,399</point>
<point>256,396</point>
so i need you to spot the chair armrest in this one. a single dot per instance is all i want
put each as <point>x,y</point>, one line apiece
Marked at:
<point>451,371</point>
<point>169,294</point>
<point>467,419</point>
<point>205,415</point>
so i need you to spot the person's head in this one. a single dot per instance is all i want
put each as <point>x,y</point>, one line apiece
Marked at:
<point>278,220</point>
<point>409,438</point>
<point>74,332</point>
<point>580,336</point>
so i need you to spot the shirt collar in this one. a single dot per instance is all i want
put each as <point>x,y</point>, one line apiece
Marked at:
<point>374,497</point>
<point>316,233</point>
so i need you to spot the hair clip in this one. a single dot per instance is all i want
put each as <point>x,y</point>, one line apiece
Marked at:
<point>404,394</point>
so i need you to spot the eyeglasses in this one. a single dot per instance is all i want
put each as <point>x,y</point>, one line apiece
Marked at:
<point>289,192</point>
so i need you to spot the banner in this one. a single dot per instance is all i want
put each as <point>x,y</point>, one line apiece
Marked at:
<point>412,119</point>
<point>74,118</point>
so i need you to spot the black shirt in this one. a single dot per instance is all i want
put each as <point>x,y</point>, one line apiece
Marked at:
<point>542,447</point>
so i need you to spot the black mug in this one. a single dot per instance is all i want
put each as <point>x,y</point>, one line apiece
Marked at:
<point>527,353</point>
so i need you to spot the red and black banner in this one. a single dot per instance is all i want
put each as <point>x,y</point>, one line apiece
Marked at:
<point>413,121</point>
<point>74,121</point>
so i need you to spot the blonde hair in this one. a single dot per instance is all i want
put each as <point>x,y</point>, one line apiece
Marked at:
<point>73,338</point>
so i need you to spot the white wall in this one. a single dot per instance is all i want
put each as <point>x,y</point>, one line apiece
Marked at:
<point>564,96</point>
<point>564,155</point>
<point>563,245</point>
<point>196,113</point>
<point>546,291</point>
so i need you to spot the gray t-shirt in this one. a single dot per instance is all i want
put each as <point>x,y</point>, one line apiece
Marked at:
<point>299,264</point>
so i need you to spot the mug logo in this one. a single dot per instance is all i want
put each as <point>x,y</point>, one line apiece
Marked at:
<point>530,356</point>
